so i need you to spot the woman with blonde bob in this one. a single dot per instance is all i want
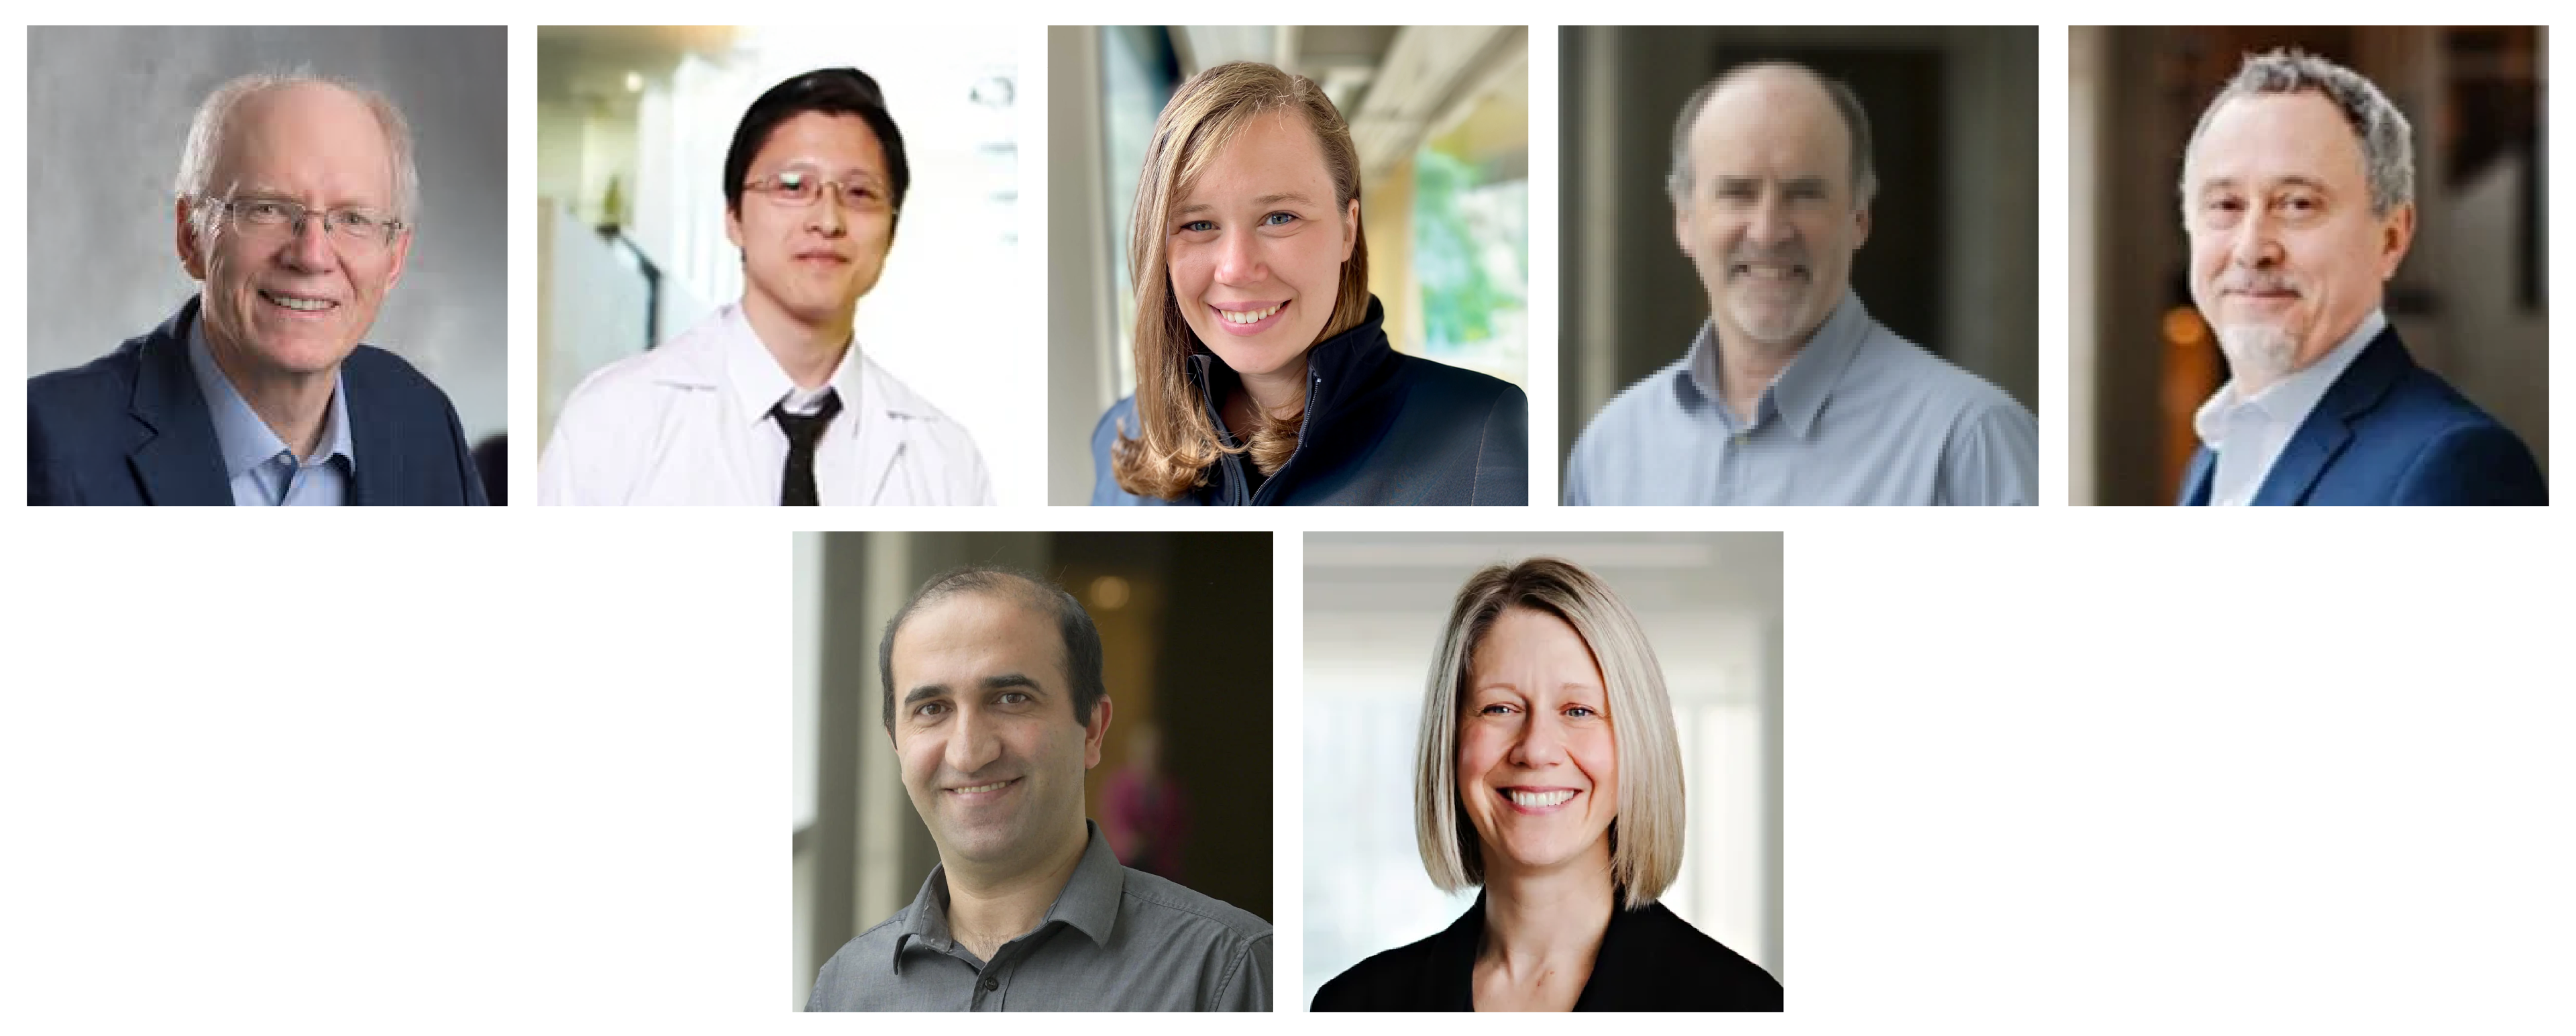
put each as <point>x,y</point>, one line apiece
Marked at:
<point>1549,774</point>
<point>1263,372</point>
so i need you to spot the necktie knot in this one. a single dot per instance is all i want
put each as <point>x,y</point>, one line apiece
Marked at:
<point>796,487</point>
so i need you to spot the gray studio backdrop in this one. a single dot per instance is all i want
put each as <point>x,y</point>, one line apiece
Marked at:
<point>107,115</point>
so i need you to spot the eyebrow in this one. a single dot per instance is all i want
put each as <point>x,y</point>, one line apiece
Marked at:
<point>2293,180</point>
<point>1260,202</point>
<point>997,682</point>
<point>1810,182</point>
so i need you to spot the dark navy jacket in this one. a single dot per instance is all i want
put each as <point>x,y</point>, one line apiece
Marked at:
<point>1381,428</point>
<point>132,428</point>
<point>2390,432</point>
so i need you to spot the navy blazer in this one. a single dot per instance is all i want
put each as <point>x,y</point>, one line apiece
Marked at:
<point>2390,432</point>
<point>1381,428</point>
<point>132,428</point>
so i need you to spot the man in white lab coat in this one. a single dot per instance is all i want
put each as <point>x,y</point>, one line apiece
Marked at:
<point>770,401</point>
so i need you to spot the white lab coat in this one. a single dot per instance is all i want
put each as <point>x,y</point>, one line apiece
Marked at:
<point>665,428</point>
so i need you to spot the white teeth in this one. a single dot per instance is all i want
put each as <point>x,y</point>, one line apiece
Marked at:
<point>1769,273</point>
<point>1253,316</point>
<point>980,788</point>
<point>1540,799</point>
<point>303,305</point>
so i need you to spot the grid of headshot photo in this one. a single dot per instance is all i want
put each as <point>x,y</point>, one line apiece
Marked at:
<point>1712,495</point>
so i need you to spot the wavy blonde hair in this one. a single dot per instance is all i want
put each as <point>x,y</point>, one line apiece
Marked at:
<point>1175,440</point>
<point>1646,835</point>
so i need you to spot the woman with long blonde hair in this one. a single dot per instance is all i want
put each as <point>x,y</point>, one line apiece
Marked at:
<point>1263,371</point>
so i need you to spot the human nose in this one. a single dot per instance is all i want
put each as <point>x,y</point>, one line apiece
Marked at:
<point>1770,224</point>
<point>1238,259</point>
<point>311,252</point>
<point>972,743</point>
<point>2255,246</point>
<point>827,217</point>
<point>1541,743</point>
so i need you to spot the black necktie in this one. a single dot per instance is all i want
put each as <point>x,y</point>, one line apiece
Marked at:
<point>797,490</point>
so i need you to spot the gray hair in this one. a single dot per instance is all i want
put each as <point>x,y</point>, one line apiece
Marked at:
<point>2387,140</point>
<point>1864,172</point>
<point>214,120</point>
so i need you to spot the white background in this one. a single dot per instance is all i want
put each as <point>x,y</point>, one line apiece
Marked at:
<point>526,770</point>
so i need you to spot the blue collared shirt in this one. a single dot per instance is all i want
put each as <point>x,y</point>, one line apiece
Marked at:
<point>1860,416</point>
<point>2248,433</point>
<point>263,472</point>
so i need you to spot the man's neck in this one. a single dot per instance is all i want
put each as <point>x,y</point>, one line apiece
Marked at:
<point>1538,921</point>
<point>1746,369</point>
<point>991,906</point>
<point>292,404</point>
<point>808,352</point>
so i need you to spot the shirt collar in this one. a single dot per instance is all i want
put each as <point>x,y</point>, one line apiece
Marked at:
<point>2287,401</point>
<point>1089,902</point>
<point>243,439</point>
<point>1802,388</point>
<point>758,382</point>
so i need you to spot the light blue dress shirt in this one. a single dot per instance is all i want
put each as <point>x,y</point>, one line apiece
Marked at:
<point>263,472</point>
<point>1860,416</point>
<point>2248,432</point>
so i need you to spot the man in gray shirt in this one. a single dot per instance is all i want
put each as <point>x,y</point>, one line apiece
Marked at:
<point>1791,394</point>
<point>993,697</point>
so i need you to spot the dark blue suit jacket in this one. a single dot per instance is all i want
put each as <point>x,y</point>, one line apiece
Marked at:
<point>132,428</point>
<point>2390,432</point>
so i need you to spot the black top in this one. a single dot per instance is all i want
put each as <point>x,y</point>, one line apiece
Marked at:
<point>1650,960</point>
<point>1381,427</point>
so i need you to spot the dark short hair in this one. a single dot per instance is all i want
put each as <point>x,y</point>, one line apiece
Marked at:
<point>832,91</point>
<point>1081,638</point>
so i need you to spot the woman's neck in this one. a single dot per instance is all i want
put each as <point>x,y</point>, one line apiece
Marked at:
<point>1280,394</point>
<point>1543,928</point>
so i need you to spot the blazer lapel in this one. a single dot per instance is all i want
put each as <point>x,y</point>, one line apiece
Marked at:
<point>176,461</point>
<point>2195,479</point>
<point>2328,429</point>
<point>378,473</point>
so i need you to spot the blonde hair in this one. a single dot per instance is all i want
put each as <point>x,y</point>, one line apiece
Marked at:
<point>1646,835</point>
<point>1175,439</point>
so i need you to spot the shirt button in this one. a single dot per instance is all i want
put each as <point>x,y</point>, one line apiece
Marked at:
<point>992,984</point>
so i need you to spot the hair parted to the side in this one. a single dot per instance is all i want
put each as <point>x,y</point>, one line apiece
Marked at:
<point>831,91</point>
<point>1175,440</point>
<point>2387,139</point>
<point>1646,836</point>
<point>214,122</point>
<point>1082,658</point>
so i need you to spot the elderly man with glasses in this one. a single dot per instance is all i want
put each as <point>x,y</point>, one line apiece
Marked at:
<point>770,400</point>
<point>294,204</point>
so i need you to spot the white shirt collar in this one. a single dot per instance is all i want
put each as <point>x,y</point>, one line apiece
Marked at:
<point>758,382</point>
<point>2249,432</point>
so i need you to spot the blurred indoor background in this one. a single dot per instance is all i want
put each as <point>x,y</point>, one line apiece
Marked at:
<point>1952,260</point>
<point>2471,297</point>
<point>1441,118</point>
<point>1376,605</point>
<point>632,126</point>
<point>1184,622</point>
<point>108,112</point>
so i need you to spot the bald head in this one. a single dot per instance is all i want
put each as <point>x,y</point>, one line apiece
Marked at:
<point>1777,104</point>
<point>306,119</point>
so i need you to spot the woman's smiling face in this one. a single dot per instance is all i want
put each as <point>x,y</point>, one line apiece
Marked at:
<point>1255,247</point>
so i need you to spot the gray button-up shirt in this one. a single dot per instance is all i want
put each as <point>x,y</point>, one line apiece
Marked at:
<point>1115,940</point>
<point>1860,416</point>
